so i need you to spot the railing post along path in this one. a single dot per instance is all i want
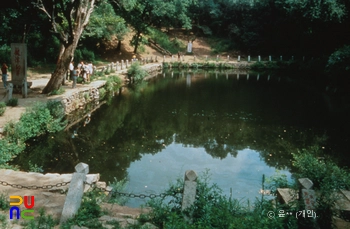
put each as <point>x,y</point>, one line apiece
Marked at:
<point>189,193</point>
<point>75,192</point>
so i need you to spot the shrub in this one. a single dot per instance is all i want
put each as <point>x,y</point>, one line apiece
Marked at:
<point>211,209</point>
<point>339,61</point>
<point>136,72</point>
<point>327,178</point>
<point>2,108</point>
<point>59,91</point>
<point>13,102</point>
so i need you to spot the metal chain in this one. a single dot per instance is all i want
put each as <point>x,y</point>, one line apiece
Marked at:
<point>34,187</point>
<point>131,195</point>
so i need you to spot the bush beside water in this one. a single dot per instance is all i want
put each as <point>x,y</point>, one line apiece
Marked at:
<point>40,119</point>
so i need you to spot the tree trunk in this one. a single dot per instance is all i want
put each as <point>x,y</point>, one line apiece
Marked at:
<point>77,15</point>
<point>65,57</point>
<point>137,41</point>
<point>119,45</point>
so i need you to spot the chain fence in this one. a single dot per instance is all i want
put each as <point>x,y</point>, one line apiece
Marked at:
<point>34,187</point>
<point>111,192</point>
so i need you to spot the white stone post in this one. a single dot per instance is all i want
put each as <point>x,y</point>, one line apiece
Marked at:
<point>259,58</point>
<point>248,58</point>
<point>270,59</point>
<point>9,91</point>
<point>189,194</point>
<point>75,192</point>
<point>228,57</point>
<point>127,63</point>
<point>121,65</point>
<point>257,78</point>
<point>238,58</point>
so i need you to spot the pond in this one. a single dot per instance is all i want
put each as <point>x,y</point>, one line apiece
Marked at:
<point>238,127</point>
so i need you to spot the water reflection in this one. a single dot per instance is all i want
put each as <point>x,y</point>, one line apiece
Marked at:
<point>238,125</point>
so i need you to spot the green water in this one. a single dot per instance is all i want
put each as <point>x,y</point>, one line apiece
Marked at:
<point>238,128</point>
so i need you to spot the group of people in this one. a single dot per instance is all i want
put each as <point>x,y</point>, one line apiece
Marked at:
<point>84,70</point>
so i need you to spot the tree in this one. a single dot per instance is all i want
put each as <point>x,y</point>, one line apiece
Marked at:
<point>68,20</point>
<point>144,13</point>
<point>104,24</point>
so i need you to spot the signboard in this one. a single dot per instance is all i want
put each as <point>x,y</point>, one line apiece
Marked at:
<point>18,63</point>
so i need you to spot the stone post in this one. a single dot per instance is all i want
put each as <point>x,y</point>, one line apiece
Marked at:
<point>117,65</point>
<point>75,192</point>
<point>126,64</point>
<point>307,196</point>
<point>238,58</point>
<point>172,58</point>
<point>121,65</point>
<point>9,91</point>
<point>228,57</point>
<point>248,58</point>
<point>217,58</point>
<point>24,88</point>
<point>247,76</point>
<point>189,194</point>
<point>281,58</point>
<point>112,66</point>
<point>259,58</point>
<point>270,59</point>
<point>258,77</point>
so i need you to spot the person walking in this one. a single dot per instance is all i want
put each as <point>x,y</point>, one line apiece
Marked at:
<point>75,77</point>
<point>71,69</point>
<point>4,74</point>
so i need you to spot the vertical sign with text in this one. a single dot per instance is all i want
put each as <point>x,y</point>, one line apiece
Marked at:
<point>18,63</point>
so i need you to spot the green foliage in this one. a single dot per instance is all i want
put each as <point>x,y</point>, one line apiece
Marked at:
<point>40,119</point>
<point>13,102</point>
<point>136,72</point>
<point>339,61</point>
<point>59,91</point>
<point>5,53</point>
<point>84,55</point>
<point>3,221</point>
<point>88,213</point>
<point>278,180</point>
<point>35,168</point>
<point>104,23</point>
<point>43,221</point>
<point>102,93</point>
<point>327,178</point>
<point>2,108</point>
<point>4,201</point>
<point>162,39</point>
<point>117,186</point>
<point>211,210</point>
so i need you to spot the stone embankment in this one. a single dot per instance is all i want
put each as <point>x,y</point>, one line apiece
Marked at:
<point>72,98</point>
